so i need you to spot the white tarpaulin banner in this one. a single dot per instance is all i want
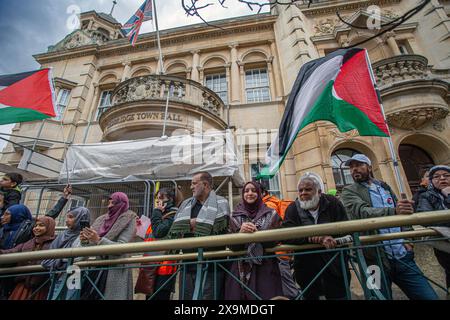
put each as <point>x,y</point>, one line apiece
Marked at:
<point>174,158</point>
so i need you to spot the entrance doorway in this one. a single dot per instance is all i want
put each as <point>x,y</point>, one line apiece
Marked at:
<point>414,160</point>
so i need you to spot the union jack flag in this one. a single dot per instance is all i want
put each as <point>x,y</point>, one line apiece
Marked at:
<point>132,27</point>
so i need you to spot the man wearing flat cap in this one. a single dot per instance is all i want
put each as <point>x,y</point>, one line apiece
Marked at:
<point>367,198</point>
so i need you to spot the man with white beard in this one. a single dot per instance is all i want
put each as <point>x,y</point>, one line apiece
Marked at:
<point>310,208</point>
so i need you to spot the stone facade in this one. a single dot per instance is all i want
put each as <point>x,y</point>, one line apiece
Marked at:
<point>411,65</point>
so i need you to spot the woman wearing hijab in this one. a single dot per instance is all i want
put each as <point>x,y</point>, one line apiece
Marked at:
<point>26,286</point>
<point>17,222</point>
<point>262,276</point>
<point>118,225</point>
<point>16,226</point>
<point>66,239</point>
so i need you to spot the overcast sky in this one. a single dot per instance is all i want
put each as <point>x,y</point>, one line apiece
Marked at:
<point>28,27</point>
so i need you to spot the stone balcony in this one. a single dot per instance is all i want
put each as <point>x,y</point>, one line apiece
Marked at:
<point>401,68</point>
<point>138,106</point>
<point>413,95</point>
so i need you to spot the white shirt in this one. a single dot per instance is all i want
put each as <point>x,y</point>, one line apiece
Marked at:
<point>315,215</point>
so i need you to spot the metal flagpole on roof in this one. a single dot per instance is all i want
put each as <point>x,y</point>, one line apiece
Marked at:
<point>161,70</point>
<point>390,143</point>
<point>161,63</point>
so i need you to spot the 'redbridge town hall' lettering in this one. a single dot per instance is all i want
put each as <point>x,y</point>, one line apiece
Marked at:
<point>139,116</point>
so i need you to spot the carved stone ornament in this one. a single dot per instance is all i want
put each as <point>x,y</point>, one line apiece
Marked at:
<point>152,87</point>
<point>139,88</point>
<point>438,126</point>
<point>400,68</point>
<point>325,26</point>
<point>343,135</point>
<point>417,118</point>
<point>389,14</point>
<point>76,39</point>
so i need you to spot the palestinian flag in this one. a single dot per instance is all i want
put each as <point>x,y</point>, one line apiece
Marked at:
<point>26,96</point>
<point>338,88</point>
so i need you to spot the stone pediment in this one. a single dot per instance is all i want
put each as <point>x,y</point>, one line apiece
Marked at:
<point>76,39</point>
<point>333,26</point>
<point>361,18</point>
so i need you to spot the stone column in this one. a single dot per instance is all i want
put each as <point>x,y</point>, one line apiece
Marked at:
<point>276,69</point>
<point>126,71</point>
<point>201,72</point>
<point>390,39</point>
<point>195,65</point>
<point>235,81</point>
<point>188,73</point>
<point>92,101</point>
<point>271,79</point>
<point>242,77</point>
<point>228,77</point>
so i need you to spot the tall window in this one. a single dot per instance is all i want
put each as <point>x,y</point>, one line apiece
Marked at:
<point>272,185</point>
<point>105,103</point>
<point>61,103</point>
<point>257,85</point>
<point>218,84</point>
<point>341,173</point>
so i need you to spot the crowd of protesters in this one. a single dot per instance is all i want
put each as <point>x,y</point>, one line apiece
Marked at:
<point>207,214</point>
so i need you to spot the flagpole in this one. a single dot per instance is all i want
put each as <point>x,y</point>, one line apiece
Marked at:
<point>165,113</point>
<point>161,65</point>
<point>161,69</point>
<point>34,144</point>
<point>390,143</point>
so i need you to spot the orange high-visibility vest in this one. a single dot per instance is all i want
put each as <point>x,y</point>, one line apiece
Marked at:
<point>164,269</point>
<point>280,207</point>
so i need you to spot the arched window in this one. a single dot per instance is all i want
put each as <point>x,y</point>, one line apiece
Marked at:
<point>341,173</point>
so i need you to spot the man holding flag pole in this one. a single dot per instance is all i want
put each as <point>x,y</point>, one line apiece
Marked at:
<point>340,88</point>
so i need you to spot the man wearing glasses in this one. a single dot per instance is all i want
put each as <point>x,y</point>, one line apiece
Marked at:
<point>438,198</point>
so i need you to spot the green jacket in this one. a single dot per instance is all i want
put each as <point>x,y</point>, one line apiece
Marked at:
<point>357,202</point>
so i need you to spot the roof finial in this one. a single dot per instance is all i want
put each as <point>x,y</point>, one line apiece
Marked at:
<point>112,9</point>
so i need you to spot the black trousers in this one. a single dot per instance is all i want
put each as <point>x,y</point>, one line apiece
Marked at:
<point>444,260</point>
<point>167,288</point>
<point>330,283</point>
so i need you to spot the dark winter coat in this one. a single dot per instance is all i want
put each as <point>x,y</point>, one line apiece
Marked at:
<point>330,210</point>
<point>434,200</point>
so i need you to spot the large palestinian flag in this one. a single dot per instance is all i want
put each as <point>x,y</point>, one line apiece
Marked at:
<point>26,96</point>
<point>337,88</point>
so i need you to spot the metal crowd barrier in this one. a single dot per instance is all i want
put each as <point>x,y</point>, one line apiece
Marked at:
<point>219,259</point>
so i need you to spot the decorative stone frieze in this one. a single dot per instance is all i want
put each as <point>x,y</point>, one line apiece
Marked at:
<point>400,68</point>
<point>416,118</point>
